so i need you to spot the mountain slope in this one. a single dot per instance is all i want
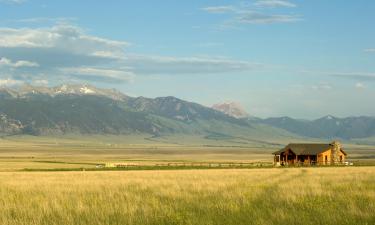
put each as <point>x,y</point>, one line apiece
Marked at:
<point>63,114</point>
<point>88,110</point>
<point>328,127</point>
<point>178,109</point>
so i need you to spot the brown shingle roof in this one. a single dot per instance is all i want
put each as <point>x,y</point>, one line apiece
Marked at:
<point>305,149</point>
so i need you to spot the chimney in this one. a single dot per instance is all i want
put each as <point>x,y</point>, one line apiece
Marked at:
<point>335,156</point>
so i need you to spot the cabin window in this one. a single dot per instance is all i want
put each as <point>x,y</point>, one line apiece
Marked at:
<point>340,158</point>
<point>326,158</point>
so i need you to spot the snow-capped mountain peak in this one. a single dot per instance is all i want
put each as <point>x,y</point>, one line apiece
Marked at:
<point>86,90</point>
<point>65,89</point>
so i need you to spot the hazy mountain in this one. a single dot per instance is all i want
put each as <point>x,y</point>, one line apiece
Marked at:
<point>89,110</point>
<point>327,127</point>
<point>232,109</point>
<point>178,109</point>
<point>86,109</point>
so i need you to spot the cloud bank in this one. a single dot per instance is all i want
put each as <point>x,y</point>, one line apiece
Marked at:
<point>13,1</point>
<point>254,14</point>
<point>275,3</point>
<point>66,52</point>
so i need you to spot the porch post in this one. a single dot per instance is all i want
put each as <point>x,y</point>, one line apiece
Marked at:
<point>286,157</point>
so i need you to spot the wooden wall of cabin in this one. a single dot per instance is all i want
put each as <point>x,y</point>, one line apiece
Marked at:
<point>342,157</point>
<point>325,158</point>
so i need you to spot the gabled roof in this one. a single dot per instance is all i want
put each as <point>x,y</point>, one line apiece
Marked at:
<point>305,148</point>
<point>343,152</point>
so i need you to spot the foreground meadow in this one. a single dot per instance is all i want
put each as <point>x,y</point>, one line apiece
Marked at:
<point>343,195</point>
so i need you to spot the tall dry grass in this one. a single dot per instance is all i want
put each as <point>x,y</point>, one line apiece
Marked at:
<point>256,196</point>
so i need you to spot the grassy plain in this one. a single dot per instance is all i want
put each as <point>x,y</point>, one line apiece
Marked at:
<point>28,152</point>
<point>332,195</point>
<point>344,195</point>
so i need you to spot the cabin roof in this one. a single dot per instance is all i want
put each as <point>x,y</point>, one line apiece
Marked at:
<point>305,148</point>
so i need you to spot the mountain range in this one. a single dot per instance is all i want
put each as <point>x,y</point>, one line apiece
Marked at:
<point>85,109</point>
<point>328,127</point>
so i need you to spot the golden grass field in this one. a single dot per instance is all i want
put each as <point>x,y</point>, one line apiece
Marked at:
<point>329,195</point>
<point>344,195</point>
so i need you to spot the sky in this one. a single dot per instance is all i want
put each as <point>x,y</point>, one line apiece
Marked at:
<point>303,59</point>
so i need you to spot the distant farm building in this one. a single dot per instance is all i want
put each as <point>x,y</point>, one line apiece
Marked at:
<point>310,154</point>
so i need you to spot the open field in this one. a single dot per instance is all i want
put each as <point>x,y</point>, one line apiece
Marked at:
<point>332,195</point>
<point>255,196</point>
<point>27,152</point>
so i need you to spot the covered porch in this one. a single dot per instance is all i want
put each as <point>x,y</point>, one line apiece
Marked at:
<point>289,158</point>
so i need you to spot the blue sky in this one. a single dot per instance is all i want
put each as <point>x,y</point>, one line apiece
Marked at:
<point>303,59</point>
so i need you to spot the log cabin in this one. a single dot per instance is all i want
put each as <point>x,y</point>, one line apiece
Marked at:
<point>310,154</point>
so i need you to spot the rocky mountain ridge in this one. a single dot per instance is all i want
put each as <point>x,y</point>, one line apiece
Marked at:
<point>87,109</point>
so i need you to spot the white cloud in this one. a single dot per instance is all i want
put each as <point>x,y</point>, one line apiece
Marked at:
<point>219,9</point>
<point>252,17</point>
<point>65,52</point>
<point>322,86</point>
<point>41,82</point>
<point>10,82</point>
<point>360,85</point>
<point>17,64</point>
<point>13,1</point>
<point>359,76</point>
<point>274,3</point>
<point>371,50</point>
<point>108,54</point>
<point>249,15</point>
<point>51,49</point>
<point>146,64</point>
<point>61,37</point>
<point>362,76</point>
<point>100,74</point>
<point>54,20</point>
